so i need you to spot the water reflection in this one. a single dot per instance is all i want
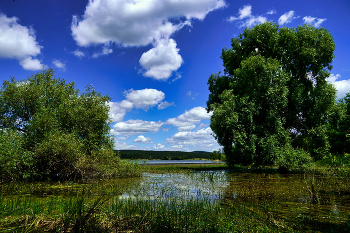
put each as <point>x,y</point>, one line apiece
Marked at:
<point>286,196</point>
<point>200,185</point>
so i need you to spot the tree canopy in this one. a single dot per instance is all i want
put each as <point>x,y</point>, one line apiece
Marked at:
<point>50,129</point>
<point>273,94</point>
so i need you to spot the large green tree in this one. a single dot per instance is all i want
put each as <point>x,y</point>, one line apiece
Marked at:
<point>273,93</point>
<point>50,129</point>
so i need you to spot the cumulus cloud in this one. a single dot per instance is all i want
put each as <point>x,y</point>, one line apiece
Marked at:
<point>162,60</point>
<point>117,110</point>
<point>145,98</point>
<point>287,18</point>
<point>136,23</point>
<point>189,118</point>
<point>165,104</point>
<point>271,12</point>
<point>342,86</point>
<point>316,22</point>
<point>124,146</point>
<point>31,64</point>
<point>246,19</point>
<point>142,139</point>
<point>132,127</point>
<point>140,23</point>
<point>79,53</point>
<point>186,128</point>
<point>60,65</point>
<point>19,42</point>
<point>158,146</point>
<point>200,139</point>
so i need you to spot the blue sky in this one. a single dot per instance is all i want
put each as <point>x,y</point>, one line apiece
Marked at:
<point>153,57</point>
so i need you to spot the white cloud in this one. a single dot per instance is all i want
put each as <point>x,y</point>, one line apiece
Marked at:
<point>60,65</point>
<point>342,86</point>
<point>177,76</point>
<point>316,22</point>
<point>201,139</point>
<point>19,42</point>
<point>165,129</point>
<point>142,139</point>
<point>158,146</point>
<point>105,51</point>
<point>165,104</point>
<point>132,127</point>
<point>244,12</point>
<point>192,95</point>
<point>189,118</point>
<point>249,20</point>
<point>271,12</point>
<point>135,23</point>
<point>186,128</point>
<point>79,53</point>
<point>162,60</point>
<point>287,18</point>
<point>145,98</point>
<point>31,64</point>
<point>118,110</point>
<point>124,146</point>
<point>140,23</point>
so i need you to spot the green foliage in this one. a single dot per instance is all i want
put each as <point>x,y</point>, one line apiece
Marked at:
<point>217,155</point>
<point>59,132</point>
<point>59,153</point>
<point>15,161</point>
<point>289,158</point>
<point>274,93</point>
<point>338,127</point>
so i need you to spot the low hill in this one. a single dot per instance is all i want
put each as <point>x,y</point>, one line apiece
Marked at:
<point>166,155</point>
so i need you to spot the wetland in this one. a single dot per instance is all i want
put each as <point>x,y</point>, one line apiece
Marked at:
<point>196,198</point>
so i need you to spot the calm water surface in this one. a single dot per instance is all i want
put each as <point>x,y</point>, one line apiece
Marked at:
<point>287,196</point>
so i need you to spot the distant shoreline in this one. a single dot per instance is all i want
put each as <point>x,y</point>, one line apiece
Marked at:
<point>170,162</point>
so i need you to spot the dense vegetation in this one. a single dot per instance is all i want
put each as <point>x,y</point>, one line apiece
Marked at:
<point>48,130</point>
<point>273,105</point>
<point>165,155</point>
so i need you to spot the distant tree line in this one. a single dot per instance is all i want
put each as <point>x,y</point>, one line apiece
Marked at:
<point>163,155</point>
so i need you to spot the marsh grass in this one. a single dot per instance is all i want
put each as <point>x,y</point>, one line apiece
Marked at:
<point>242,206</point>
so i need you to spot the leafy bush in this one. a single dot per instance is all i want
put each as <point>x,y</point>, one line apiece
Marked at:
<point>59,153</point>
<point>15,162</point>
<point>288,158</point>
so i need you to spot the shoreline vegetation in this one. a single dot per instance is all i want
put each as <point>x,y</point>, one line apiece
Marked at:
<point>97,206</point>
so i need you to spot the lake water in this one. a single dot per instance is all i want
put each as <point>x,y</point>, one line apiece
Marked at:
<point>285,195</point>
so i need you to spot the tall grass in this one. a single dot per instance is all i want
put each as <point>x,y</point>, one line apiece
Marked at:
<point>81,214</point>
